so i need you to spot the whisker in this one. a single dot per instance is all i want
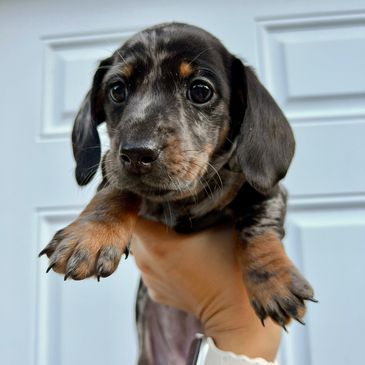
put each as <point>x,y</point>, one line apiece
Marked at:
<point>183,151</point>
<point>117,51</point>
<point>231,142</point>
<point>199,54</point>
<point>177,185</point>
<point>88,175</point>
<point>123,59</point>
<point>104,67</point>
<point>215,172</point>
<point>170,212</point>
<point>204,184</point>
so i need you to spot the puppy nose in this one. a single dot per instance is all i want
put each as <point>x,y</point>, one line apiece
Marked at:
<point>138,155</point>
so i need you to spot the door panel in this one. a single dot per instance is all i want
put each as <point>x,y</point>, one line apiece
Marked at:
<point>310,55</point>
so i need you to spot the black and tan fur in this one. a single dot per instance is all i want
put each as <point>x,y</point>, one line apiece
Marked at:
<point>217,161</point>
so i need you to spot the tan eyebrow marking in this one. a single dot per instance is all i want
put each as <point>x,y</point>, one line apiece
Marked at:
<point>185,69</point>
<point>127,70</point>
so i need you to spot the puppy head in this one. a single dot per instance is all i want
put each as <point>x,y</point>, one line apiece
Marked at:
<point>174,99</point>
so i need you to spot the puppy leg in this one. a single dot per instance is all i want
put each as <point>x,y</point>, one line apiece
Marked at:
<point>94,243</point>
<point>276,287</point>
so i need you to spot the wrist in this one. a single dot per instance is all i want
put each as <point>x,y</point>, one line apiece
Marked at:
<point>232,340</point>
<point>238,330</point>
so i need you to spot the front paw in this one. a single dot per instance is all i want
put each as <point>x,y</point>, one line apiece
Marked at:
<point>87,248</point>
<point>275,286</point>
<point>279,294</point>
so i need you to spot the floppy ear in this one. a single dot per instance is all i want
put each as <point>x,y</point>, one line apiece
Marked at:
<point>265,144</point>
<point>85,137</point>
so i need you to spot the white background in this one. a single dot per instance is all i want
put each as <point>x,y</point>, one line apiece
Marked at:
<point>310,55</point>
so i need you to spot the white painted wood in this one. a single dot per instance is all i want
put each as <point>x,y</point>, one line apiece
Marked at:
<point>310,54</point>
<point>323,58</point>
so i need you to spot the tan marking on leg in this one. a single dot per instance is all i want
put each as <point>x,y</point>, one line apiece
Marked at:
<point>104,226</point>
<point>276,287</point>
<point>266,253</point>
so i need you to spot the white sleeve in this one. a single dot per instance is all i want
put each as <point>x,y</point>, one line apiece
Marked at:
<point>209,354</point>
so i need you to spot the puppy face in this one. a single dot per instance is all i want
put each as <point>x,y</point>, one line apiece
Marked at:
<point>166,99</point>
<point>174,99</point>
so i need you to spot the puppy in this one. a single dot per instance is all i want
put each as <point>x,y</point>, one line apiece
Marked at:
<point>195,140</point>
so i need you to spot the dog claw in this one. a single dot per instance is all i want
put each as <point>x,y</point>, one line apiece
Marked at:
<point>42,252</point>
<point>50,267</point>
<point>100,273</point>
<point>98,278</point>
<point>261,313</point>
<point>314,300</point>
<point>284,328</point>
<point>299,320</point>
<point>126,253</point>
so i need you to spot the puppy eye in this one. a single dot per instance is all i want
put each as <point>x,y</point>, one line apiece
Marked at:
<point>200,92</point>
<point>118,92</point>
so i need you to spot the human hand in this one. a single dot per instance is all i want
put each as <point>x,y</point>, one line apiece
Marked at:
<point>199,273</point>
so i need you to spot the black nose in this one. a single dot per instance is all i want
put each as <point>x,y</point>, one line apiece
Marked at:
<point>138,158</point>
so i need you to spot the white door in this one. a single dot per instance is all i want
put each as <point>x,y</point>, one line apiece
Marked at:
<point>311,56</point>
